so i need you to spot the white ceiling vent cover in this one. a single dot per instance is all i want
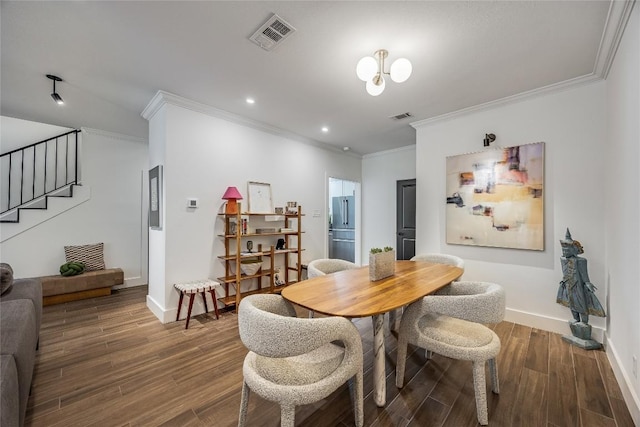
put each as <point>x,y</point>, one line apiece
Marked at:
<point>272,33</point>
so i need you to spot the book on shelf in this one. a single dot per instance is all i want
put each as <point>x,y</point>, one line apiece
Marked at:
<point>244,225</point>
<point>265,230</point>
<point>286,230</point>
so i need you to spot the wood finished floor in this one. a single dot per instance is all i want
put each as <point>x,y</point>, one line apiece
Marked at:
<point>109,362</point>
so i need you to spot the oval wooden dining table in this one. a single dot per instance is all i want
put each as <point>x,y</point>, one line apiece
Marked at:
<point>350,293</point>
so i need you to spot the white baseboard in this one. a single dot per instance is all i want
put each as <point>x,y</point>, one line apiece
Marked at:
<point>157,310</point>
<point>625,383</point>
<point>559,326</point>
<point>169,315</point>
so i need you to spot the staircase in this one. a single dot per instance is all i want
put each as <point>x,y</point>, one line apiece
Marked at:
<point>34,177</point>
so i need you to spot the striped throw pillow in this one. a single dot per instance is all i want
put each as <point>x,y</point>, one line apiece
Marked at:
<point>92,256</point>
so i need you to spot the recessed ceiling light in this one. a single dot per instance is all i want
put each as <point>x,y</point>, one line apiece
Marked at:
<point>325,129</point>
<point>346,148</point>
<point>251,101</point>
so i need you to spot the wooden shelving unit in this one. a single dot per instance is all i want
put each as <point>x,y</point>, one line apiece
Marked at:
<point>235,254</point>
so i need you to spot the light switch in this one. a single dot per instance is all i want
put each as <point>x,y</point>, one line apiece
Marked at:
<point>192,203</point>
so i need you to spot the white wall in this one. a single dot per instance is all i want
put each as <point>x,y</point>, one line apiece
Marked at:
<point>112,167</point>
<point>16,133</point>
<point>380,173</point>
<point>621,197</point>
<point>204,154</point>
<point>572,125</point>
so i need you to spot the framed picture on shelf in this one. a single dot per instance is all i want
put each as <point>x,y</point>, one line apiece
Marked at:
<point>292,208</point>
<point>259,197</point>
<point>155,198</point>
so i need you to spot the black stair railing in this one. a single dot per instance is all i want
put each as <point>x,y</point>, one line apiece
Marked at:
<point>36,170</point>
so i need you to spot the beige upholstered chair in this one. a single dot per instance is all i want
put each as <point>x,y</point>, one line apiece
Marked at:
<point>321,267</point>
<point>294,361</point>
<point>440,259</point>
<point>429,257</point>
<point>448,323</point>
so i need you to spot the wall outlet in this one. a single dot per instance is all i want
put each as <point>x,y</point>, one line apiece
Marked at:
<point>635,366</point>
<point>192,203</point>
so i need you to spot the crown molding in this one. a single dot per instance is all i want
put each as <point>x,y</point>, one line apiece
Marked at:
<point>113,135</point>
<point>617,18</point>
<point>154,105</point>
<point>552,88</point>
<point>391,151</point>
<point>162,98</point>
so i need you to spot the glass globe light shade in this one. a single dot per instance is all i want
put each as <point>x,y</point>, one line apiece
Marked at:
<point>374,89</point>
<point>367,68</point>
<point>401,70</point>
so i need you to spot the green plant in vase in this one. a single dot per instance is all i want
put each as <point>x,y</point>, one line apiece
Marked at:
<point>382,263</point>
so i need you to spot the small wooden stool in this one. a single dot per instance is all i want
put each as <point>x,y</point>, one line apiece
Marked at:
<point>192,288</point>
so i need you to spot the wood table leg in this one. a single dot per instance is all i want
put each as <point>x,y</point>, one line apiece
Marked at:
<point>204,298</point>
<point>179,305</point>
<point>379,377</point>
<point>191,297</point>
<point>215,302</point>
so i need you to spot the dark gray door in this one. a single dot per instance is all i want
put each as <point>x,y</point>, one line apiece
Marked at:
<point>406,219</point>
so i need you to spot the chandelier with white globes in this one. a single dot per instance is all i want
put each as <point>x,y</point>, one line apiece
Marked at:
<point>370,69</point>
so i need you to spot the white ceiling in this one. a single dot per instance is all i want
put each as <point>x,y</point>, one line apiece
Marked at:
<point>114,56</point>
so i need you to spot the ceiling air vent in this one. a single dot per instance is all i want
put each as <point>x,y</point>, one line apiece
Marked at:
<point>272,33</point>
<point>401,116</point>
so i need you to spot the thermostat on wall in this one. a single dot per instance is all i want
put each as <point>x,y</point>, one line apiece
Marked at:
<point>192,203</point>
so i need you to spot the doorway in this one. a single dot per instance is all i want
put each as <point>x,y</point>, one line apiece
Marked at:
<point>406,219</point>
<point>342,219</point>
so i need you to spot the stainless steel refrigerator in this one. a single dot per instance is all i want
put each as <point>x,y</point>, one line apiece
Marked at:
<point>342,233</point>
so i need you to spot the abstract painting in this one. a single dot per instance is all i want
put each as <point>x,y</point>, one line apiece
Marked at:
<point>495,198</point>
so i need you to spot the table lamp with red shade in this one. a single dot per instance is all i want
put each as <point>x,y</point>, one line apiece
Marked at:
<point>231,196</point>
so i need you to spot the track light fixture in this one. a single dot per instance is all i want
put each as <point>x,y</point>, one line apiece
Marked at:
<point>488,139</point>
<point>54,94</point>
<point>370,69</point>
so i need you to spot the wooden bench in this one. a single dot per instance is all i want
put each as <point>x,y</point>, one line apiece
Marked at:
<point>60,289</point>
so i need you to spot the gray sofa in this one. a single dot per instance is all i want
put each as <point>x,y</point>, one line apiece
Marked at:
<point>20,317</point>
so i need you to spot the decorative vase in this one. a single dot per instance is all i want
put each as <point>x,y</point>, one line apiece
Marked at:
<point>381,265</point>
